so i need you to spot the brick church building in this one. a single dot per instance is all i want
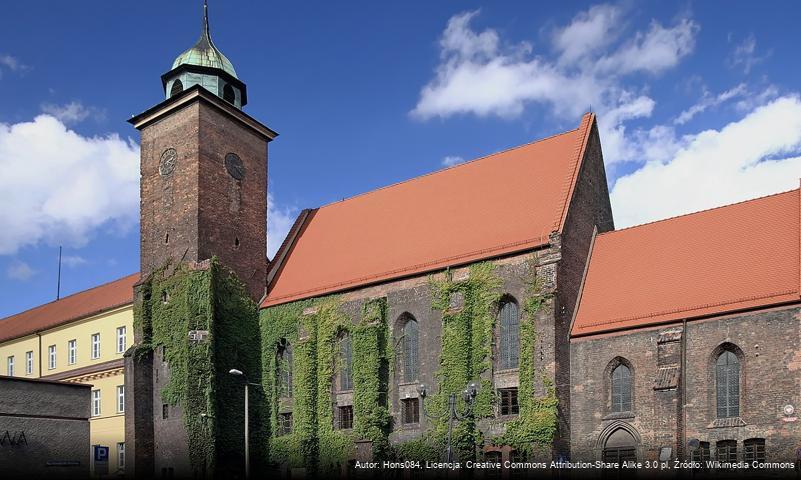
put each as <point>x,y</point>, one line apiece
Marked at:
<point>499,285</point>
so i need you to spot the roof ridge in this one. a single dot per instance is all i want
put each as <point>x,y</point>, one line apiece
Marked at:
<point>568,185</point>
<point>719,207</point>
<point>441,170</point>
<point>68,296</point>
<point>689,308</point>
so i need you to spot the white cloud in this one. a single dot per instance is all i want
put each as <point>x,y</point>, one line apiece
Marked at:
<point>11,63</point>
<point>708,101</point>
<point>478,74</point>
<point>72,112</point>
<point>19,270</point>
<point>654,51</point>
<point>279,222</point>
<point>452,160</point>
<point>588,32</point>
<point>58,186</point>
<point>73,261</point>
<point>744,55</point>
<point>755,156</point>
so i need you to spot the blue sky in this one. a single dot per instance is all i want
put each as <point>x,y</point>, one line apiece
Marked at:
<point>697,102</point>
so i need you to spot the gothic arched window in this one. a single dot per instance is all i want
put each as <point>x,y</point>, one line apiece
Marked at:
<point>177,87</point>
<point>285,369</point>
<point>621,389</point>
<point>228,93</point>
<point>345,362</point>
<point>509,351</point>
<point>410,345</point>
<point>727,377</point>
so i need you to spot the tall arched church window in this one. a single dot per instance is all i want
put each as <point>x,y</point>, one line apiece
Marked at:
<point>177,87</point>
<point>411,358</point>
<point>727,377</point>
<point>345,362</point>
<point>621,389</point>
<point>509,351</point>
<point>285,369</point>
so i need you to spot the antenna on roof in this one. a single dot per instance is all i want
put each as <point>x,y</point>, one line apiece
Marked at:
<point>58,284</point>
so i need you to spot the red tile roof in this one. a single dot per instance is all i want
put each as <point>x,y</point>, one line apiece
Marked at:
<point>82,304</point>
<point>726,259</point>
<point>499,204</point>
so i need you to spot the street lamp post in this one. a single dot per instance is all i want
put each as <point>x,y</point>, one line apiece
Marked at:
<point>469,397</point>
<point>239,373</point>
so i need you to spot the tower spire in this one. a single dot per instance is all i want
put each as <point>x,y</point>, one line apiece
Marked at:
<point>205,29</point>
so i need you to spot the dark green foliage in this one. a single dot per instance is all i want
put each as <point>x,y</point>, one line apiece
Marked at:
<point>177,299</point>
<point>314,442</point>
<point>467,341</point>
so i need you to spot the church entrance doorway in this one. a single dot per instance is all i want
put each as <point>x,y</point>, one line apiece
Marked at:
<point>620,447</point>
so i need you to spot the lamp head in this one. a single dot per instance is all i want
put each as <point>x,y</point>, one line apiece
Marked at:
<point>234,371</point>
<point>421,390</point>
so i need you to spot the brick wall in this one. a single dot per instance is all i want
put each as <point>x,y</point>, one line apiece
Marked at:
<point>768,341</point>
<point>199,210</point>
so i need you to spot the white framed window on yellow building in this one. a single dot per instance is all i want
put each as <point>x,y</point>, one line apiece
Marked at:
<point>121,399</point>
<point>95,346</point>
<point>51,357</point>
<point>29,363</point>
<point>121,340</point>
<point>72,352</point>
<point>10,366</point>
<point>95,403</point>
<point>121,456</point>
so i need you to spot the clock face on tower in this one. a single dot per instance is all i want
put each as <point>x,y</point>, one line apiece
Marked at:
<point>235,166</point>
<point>167,163</point>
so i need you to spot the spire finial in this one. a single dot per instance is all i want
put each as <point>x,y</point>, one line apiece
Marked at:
<point>206,19</point>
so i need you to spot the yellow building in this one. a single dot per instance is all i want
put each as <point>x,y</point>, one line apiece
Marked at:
<point>80,338</point>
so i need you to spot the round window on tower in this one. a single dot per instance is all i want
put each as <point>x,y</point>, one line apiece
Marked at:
<point>228,93</point>
<point>177,87</point>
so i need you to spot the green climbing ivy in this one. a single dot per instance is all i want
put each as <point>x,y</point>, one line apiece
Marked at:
<point>314,442</point>
<point>176,299</point>
<point>466,355</point>
<point>536,424</point>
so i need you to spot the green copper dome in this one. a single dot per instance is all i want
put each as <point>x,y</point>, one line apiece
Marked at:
<point>204,53</point>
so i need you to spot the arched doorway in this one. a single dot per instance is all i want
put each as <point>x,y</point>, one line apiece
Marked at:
<point>620,446</point>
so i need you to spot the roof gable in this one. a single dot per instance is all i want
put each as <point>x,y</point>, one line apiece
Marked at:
<point>82,304</point>
<point>499,204</point>
<point>731,258</point>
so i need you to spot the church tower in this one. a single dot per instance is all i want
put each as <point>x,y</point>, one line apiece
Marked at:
<point>203,258</point>
<point>204,169</point>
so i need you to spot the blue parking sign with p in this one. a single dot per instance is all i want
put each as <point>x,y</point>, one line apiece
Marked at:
<point>101,453</point>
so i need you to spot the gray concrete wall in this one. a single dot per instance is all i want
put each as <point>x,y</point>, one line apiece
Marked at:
<point>44,429</point>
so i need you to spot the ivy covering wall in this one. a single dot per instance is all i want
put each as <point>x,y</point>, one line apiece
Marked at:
<point>314,442</point>
<point>179,298</point>
<point>468,330</point>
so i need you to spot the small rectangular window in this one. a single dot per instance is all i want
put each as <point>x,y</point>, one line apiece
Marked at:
<point>410,412</point>
<point>72,352</point>
<point>95,346</point>
<point>284,423</point>
<point>121,340</point>
<point>509,405</point>
<point>726,451</point>
<point>345,417</point>
<point>121,456</point>
<point>701,454</point>
<point>29,363</point>
<point>95,403</point>
<point>121,399</point>
<point>51,357</point>
<point>754,450</point>
<point>10,366</point>
<point>165,411</point>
